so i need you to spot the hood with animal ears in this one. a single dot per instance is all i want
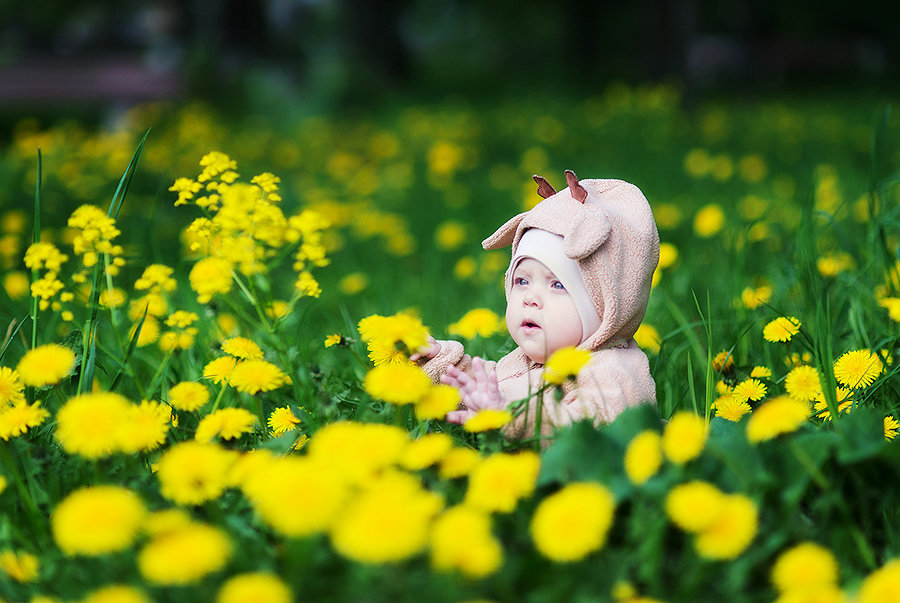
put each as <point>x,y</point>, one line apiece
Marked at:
<point>608,228</point>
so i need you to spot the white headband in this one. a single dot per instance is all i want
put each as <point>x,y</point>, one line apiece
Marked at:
<point>547,248</point>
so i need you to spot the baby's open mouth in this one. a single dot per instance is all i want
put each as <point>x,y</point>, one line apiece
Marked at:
<point>530,324</point>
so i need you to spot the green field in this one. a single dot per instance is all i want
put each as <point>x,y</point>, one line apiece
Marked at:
<point>127,458</point>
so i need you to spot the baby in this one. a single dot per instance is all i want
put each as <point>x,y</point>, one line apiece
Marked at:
<point>582,261</point>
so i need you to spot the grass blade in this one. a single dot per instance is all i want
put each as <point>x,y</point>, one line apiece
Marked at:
<point>131,345</point>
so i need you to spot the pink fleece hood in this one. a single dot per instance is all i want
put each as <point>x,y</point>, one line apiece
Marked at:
<point>608,228</point>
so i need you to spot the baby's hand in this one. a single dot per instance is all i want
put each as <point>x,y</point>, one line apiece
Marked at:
<point>478,393</point>
<point>426,352</point>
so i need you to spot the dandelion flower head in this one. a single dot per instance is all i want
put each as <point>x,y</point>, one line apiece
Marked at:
<point>487,420</point>
<point>732,531</point>
<point>781,329</point>
<point>225,423</point>
<point>803,383</point>
<point>188,395</point>
<point>241,347</point>
<point>97,519</point>
<point>91,425</point>
<point>256,586</point>
<point>481,322</point>
<point>858,368</point>
<point>17,419</point>
<point>254,376</point>
<point>191,472</point>
<point>397,383</point>
<point>643,456</point>
<point>184,555</point>
<point>684,437</point>
<point>437,402</point>
<point>803,568</point>
<point>776,416</point>
<point>45,365</point>
<point>565,364</point>
<point>11,387</point>
<point>573,522</point>
<point>497,483</point>
<point>282,420</point>
<point>461,540</point>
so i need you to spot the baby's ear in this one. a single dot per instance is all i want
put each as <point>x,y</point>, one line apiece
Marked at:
<point>588,232</point>
<point>504,235</point>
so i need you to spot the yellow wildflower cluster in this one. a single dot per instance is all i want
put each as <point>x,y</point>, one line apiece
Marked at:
<point>244,227</point>
<point>244,368</point>
<point>94,233</point>
<point>48,288</point>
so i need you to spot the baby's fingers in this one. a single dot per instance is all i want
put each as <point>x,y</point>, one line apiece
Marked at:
<point>459,416</point>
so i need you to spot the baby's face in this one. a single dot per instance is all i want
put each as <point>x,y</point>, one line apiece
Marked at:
<point>540,313</point>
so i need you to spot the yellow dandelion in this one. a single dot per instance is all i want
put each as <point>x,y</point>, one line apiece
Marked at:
<point>296,496</point>
<point>643,456</point>
<point>188,395</point>
<point>333,339</point>
<point>684,437</point>
<point>225,423</point>
<point>803,383</point>
<point>723,361</point>
<point>803,568</point>
<point>647,338</point>
<point>241,347</point>
<point>458,462</point>
<point>461,540</point>
<point>90,425</point>
<point>437,402</point>
<point>353,283</point>
<point>146,427</point>
<point>257,586</point>
<point>754,297</point>
<point>497,483</point>
<point>480,322</point>
<point>282,420</point>
<point>254,376</point>
<point>397,383</point>
<point>17,419</point>
<point>733,530</point>
<point>184,555</point>
<point>20,566</point>
<point>116,593</point>
<point>191,473</point>
<point>565,364</point>
<point>731,408</point>
<point>388,521</point>
<point>844,398</point>
<point>891,425</point>
<point>357,451</point>
<point>572,523</point>
<point>858,368</point>
<point>881,585</point>
<point>12,390</point>
<point>166,520</point>
<point>487,420</point>
<point>749,390</point>
<point>219,370</point>
<point>426,451</point>
<point>781,329</point>
<point>97,519</point>
<point>709,220</point>
<point>694,506</point>
<point>401,330</point>
<point>45,365</point>
<point>450,235</point>
<point>776,416</point>
<point>761,372</point>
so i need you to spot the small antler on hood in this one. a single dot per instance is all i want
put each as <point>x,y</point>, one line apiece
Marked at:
<point>578,192</point>
<point>544,189</point>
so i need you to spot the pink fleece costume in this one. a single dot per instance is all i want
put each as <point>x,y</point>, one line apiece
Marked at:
<point>608,228</point>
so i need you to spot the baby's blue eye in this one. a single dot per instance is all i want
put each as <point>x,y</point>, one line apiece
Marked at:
<point>558,285</point>
<point>520,281</point>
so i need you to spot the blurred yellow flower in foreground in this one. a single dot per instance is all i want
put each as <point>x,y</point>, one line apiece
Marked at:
<point>397,383</point>
<point>116,593</point>
<point>20,566</point>
<point>778,415</point>
<point>388,521</point>
<point>573,522</point>
<point>461,540</point>
<point>90,424</point>
<point>647,338</point>
<point>487,420</point>
<point>643,456</point>
<point>880,585</point>
<point>733,530</point>
<point>684,437</point>
<point>565,364</point>
<point>257,586</point>
<point>805,568</point>
<point>694,506</point>
<point>96,520</point>
<point>45,365</point>
<point>184,555</point>
<point>191,472</point>
<point>498,482</point>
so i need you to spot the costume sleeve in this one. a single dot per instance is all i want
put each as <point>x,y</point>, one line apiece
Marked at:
<point>452,352</point>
